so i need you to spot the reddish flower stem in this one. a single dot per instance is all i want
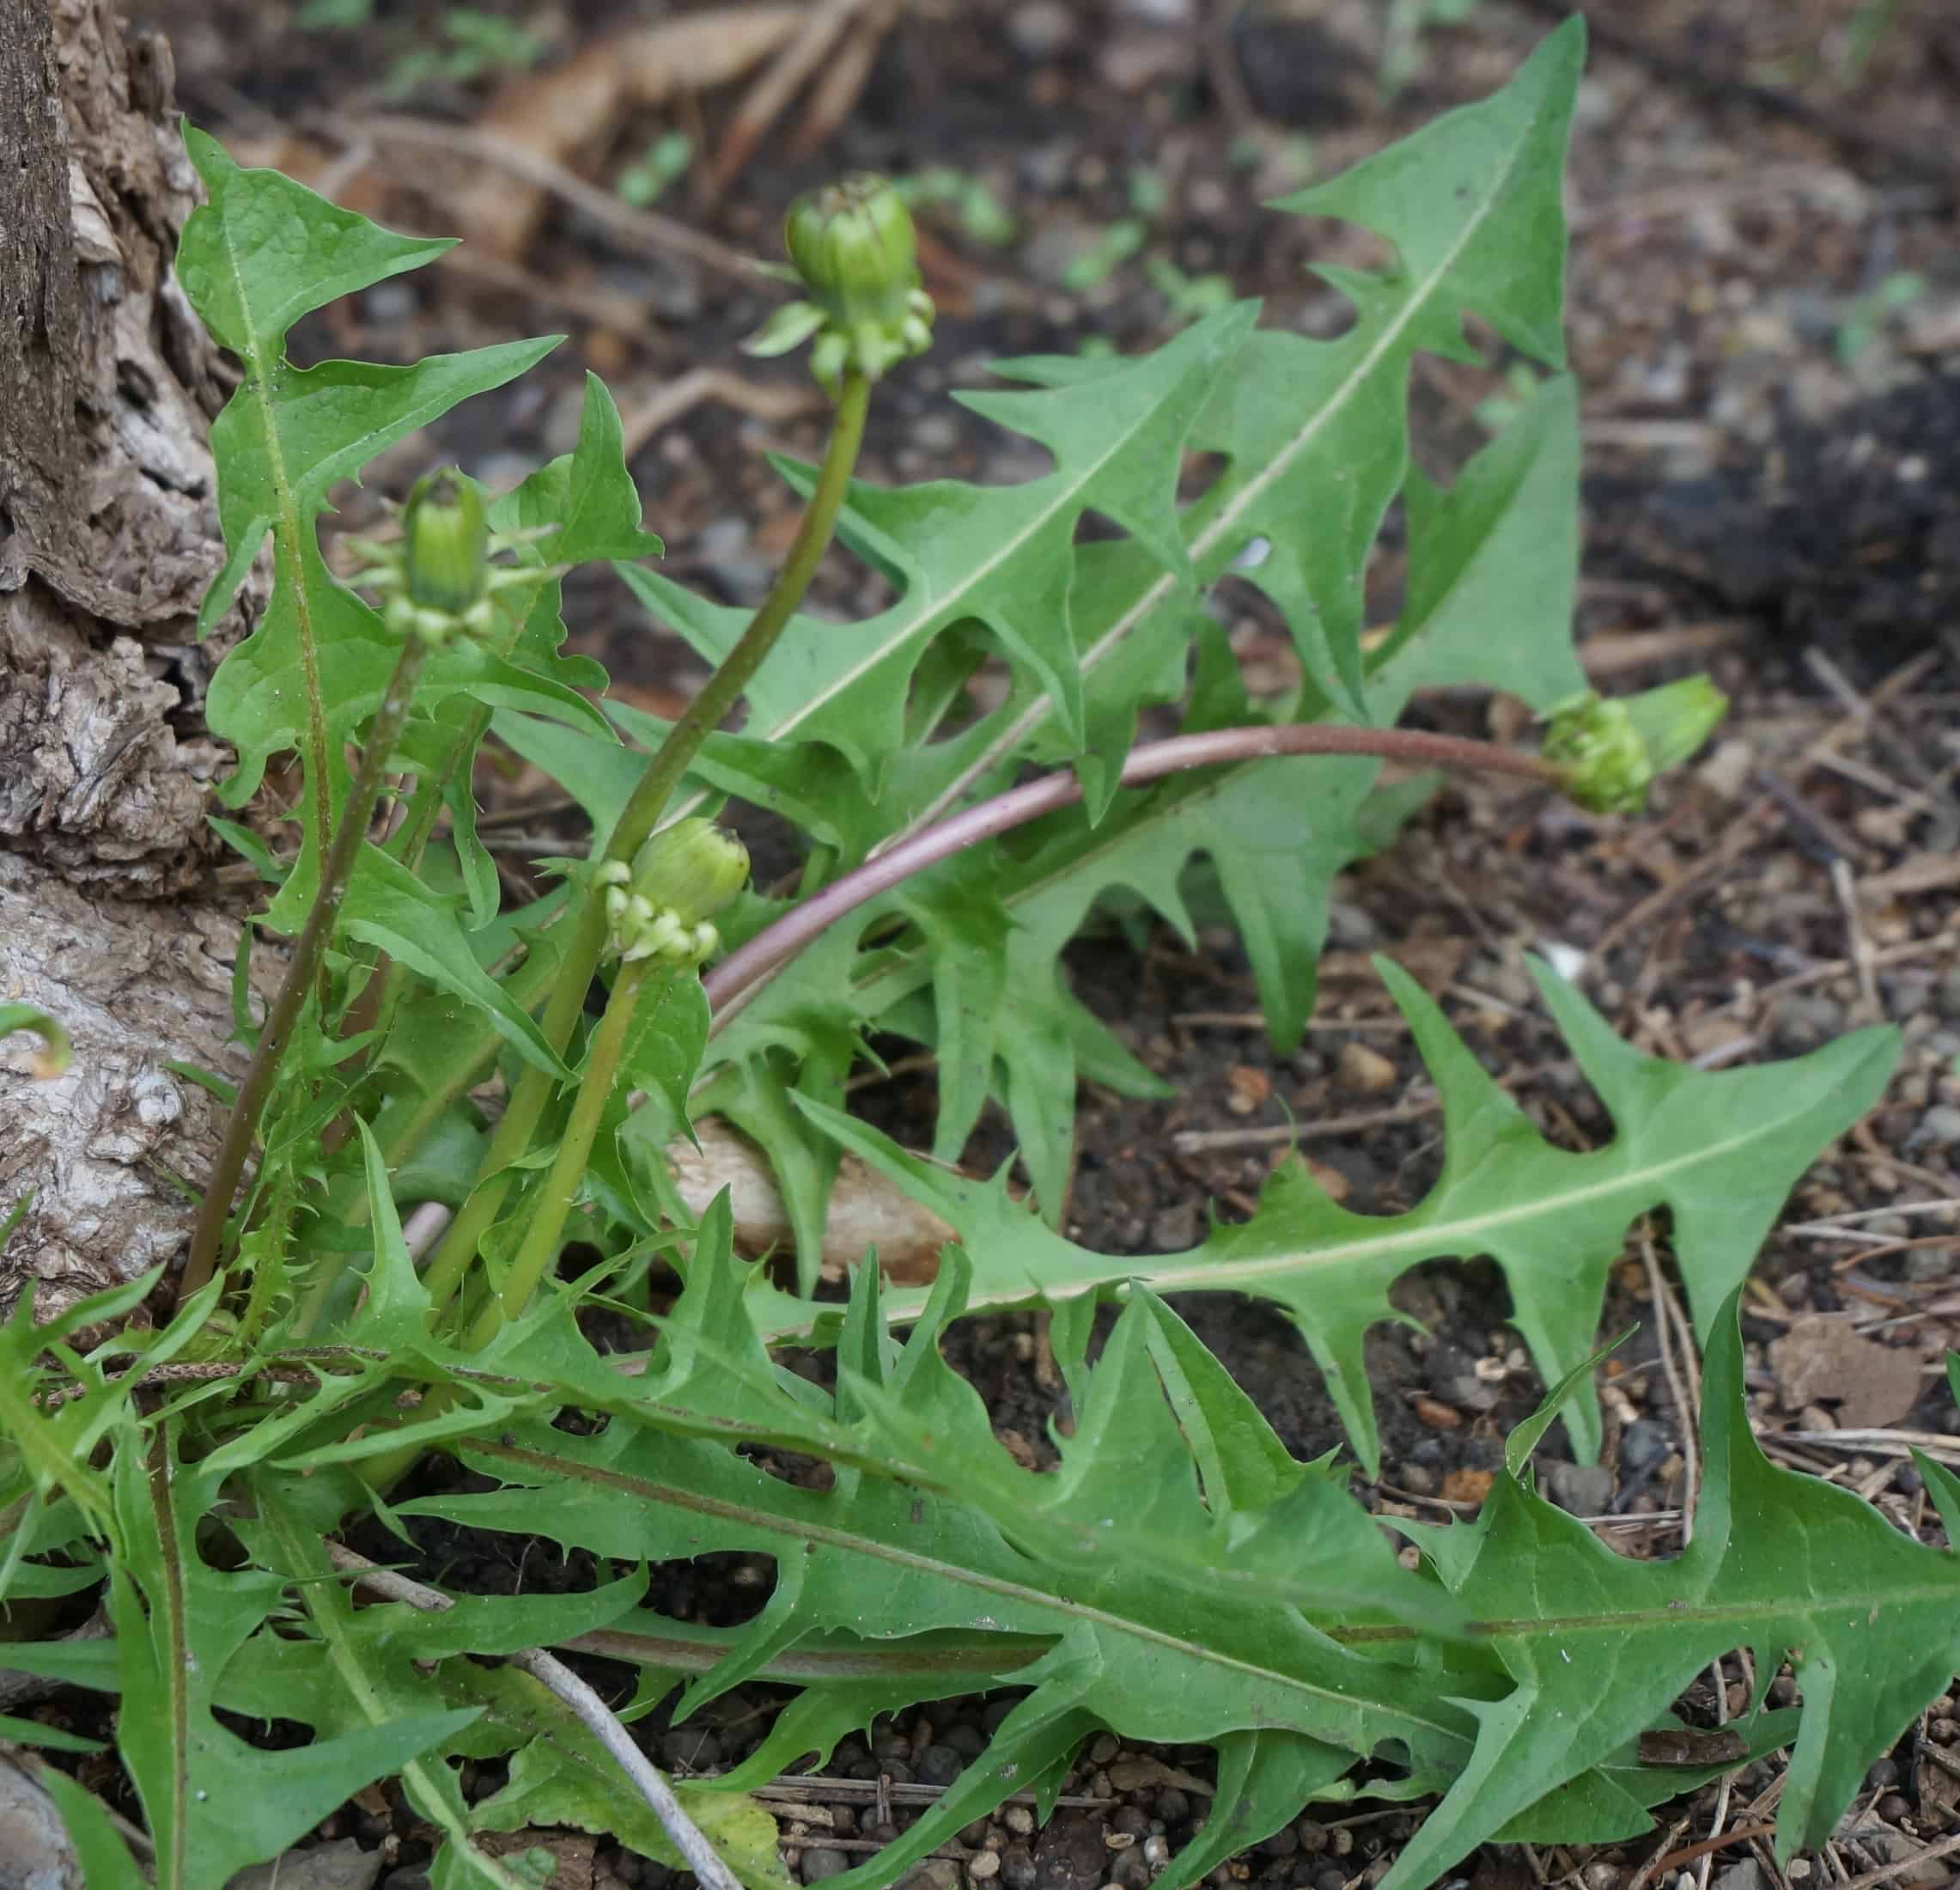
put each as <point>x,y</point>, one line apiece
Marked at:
<point>743,972</point>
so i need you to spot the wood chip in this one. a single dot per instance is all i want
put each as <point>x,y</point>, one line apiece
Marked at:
<point>1366,1070</point>
<point>866,1210</point>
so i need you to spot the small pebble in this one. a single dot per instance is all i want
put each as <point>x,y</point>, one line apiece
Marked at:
<point>1018,1820</point>
<point>821,1863</point>
<point>1042,29</point>
<point>1366,1070</point>
<point>1175,1228</point>
<point>1938,1127</point>
<point>935,1874</point>
<point>1350,926</point>
<point>1582,1488</point>
<point>1643,1442</point>
<point>983,1866</point>
<point>939,1766</point>
<point>691,1749</point>
<point>1804,1021</point>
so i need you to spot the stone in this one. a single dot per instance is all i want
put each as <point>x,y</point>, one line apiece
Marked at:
<point>1365,1071</point>
<point>1350,926</point>
<point>1804,1021</point>
<point>1042,29</point>
<point>1174,1229</point>
<point>1582,1488</point>
<point>1939,1127</point>
<point>939,1766</point>
<point>341,1866</point>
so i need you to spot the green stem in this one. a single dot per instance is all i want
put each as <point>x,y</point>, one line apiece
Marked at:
<point>403,1124</point>
<point>560,1193</point>
<point>308,953</point>
<point>637,821</point>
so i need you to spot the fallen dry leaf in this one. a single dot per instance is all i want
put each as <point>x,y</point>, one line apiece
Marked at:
<point>865,1209</point>
<point>1823,1359</point>
<point>577,106</point>
<point>1433,963</point>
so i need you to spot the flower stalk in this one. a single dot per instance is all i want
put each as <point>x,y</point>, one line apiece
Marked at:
<point>241,1127</point>
<point>733,982</point>
<point>635,826</point>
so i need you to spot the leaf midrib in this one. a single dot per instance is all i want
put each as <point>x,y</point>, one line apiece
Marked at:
<point>173,1867</point>
<point>1233,508</point>
<point>912,1562</point>
<point>286,533</point>
<point>1429,1239</point>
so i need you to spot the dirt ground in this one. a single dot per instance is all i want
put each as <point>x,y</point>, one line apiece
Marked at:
<point>1765,323</point>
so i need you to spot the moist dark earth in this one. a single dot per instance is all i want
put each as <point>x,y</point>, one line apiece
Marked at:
<point>1765,324</point>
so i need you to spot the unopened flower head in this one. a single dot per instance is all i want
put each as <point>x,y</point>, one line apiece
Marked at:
<point>446,539</point>
<point>856,255</point>
<point>438,579</point>
<point>663,904</point>
<point>1611,750</point>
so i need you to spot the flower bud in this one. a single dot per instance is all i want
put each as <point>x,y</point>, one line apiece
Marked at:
<point>857,257</point>
<point>853,244</point>
<point>447,539</point>
<point>661,906</point>
<point>1612,750</point>
<point>692,869</point>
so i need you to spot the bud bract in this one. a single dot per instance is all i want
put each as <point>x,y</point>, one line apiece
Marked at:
<point>445,540</point>
<point>1676,719</point>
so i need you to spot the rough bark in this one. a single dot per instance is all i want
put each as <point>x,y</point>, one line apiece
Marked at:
<point>108,537</point>
<point>108,527</point>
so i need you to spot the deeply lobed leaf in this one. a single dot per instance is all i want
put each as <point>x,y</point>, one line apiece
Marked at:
<point>1719,1148</point>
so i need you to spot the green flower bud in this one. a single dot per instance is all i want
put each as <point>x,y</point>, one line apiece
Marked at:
<point>446,540</point>
<point>661,907</point>
<point>1612,750</point>
<point>853,244</point>
<point>857,257</point>
<point>692,869</point>
<point>1607,768</point>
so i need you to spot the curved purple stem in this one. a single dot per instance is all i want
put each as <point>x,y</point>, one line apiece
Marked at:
<point>738,975</point>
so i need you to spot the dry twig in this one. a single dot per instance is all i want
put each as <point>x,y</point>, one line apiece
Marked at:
<point>591,1710</point>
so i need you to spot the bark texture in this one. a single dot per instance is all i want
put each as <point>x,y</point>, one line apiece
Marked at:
<point>108,525</point>
<point>108,537</point>
<point>105,1150</point>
